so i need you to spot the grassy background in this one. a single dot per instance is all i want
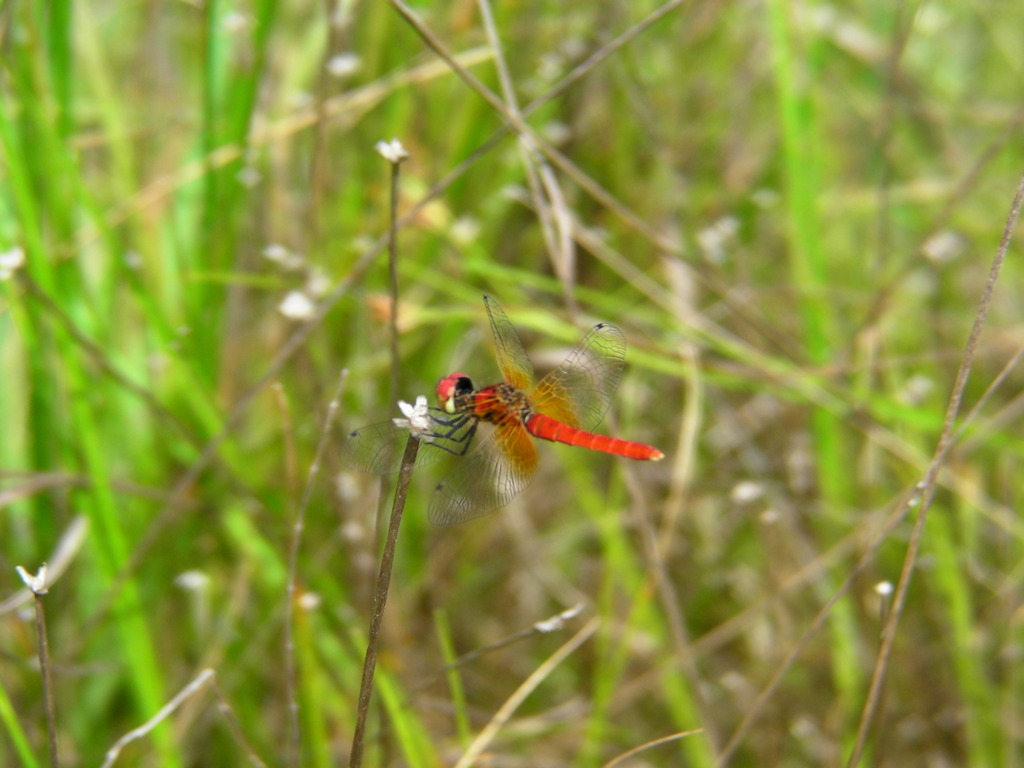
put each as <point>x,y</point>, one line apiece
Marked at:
<point>789,208</point>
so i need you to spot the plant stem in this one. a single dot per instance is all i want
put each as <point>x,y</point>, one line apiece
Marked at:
<point>44,667</point>
<point>380,599</point>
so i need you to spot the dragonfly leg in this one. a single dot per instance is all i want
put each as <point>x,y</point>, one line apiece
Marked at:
<point>454,436</point>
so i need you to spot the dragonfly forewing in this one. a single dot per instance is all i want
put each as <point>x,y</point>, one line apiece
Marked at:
<point>513,362</point>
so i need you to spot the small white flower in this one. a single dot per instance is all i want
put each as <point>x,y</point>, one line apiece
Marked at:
<point>392,151</point>
<point>556,623</point>
<point>883,588</point>
<point>282,256</point>
<point>344,64</point>
<point>192,581</point>
<point>943,247</point>
<point>11,261</point>
<point>276,252</point>
<point>417,419</point>
<point>297,306</point>
<point>36,583</point>
<point>746,491</point>
<point>353,531</point>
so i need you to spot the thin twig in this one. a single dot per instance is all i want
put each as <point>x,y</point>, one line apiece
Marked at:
<point>990,390</point>
<point>291,675</point>
<point>929,485</point>
<point>38,586</point>
<point>380,599</point>
<point>44,667</point>
<point>158,718</point>
<point>654,743</point>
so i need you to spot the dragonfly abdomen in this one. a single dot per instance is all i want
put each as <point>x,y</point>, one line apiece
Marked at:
<point>548,428</point>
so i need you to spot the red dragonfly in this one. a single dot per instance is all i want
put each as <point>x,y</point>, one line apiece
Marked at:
<point>562,407</point>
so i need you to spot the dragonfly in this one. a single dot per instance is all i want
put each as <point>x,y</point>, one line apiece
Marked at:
<point>563,407</point>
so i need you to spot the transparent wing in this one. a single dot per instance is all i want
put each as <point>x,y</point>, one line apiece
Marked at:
<point>378,448</point>
<point>513,363</point>
<point>579,391</point>
<point>487,479</point>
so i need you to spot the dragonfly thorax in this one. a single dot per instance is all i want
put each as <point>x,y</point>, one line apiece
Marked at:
<point>502,403</point>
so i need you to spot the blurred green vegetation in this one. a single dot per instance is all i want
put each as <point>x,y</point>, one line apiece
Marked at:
<point>790,210</point>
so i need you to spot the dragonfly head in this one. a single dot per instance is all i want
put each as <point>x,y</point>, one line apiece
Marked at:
<point>450,387</point>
